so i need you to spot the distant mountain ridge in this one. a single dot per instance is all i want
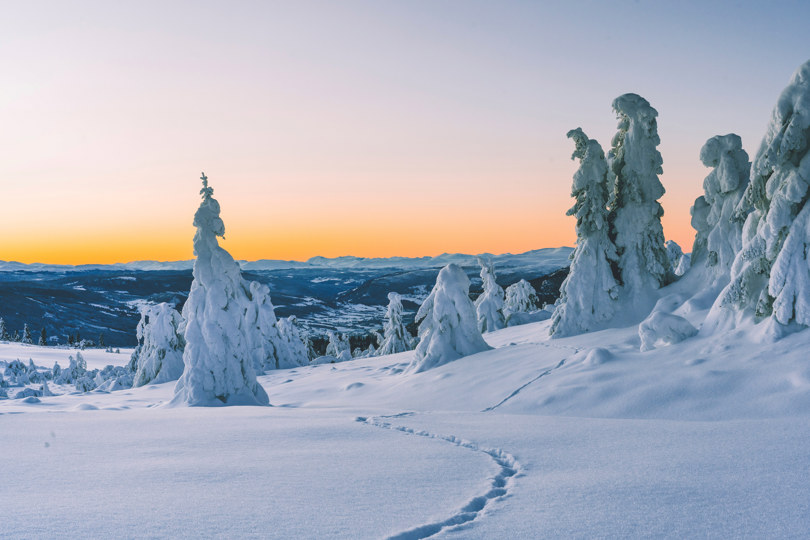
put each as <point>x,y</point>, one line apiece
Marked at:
<point>545,257</point>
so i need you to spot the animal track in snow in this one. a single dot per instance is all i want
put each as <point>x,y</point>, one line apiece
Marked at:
<point>499,486</point>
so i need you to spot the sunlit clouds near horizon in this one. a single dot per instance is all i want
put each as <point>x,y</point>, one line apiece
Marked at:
<point>357,128</point>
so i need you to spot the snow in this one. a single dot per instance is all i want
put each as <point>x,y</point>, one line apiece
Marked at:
<point>158,357</point>
<point>219,354</point>
<point>396,338</point>
<point>489,305</point>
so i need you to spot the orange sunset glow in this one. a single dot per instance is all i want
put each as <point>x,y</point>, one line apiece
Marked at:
<point>375,132</point>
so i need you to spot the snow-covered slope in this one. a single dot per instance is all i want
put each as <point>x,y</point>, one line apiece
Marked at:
<point>575,437</point>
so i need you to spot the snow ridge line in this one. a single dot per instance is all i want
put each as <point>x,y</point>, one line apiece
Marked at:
<point>499,487</point>
<point>516,392</point>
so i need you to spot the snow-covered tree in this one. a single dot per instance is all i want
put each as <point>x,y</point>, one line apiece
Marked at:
<point>520,298</point>
<point>43,338</point>
<point>158,358</point>
<point>674,254</point>
<point>489,305</point>
<point>271,351</point>
<point>296,343</point>
<point>448,327</point>
<point>770,274</point>
<point>715,215</point>
<point>635,213</point>
<point>396,338</point>
<point>218,356</point>
<point>338,346</point>
<point>27,338</point>
<point>589,293</point>
<point>3,331</point>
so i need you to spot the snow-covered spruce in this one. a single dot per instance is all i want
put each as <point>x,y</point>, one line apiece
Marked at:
<point>158,358</point>
<point>338,346</point>
<point>448,329</point>
<point>589,293</point>
<point>296,343</point>
<point>770,274</point>
<point>270,349</point>
<point>674,255</point>
<point>489,305</point>
<point>635,213</point>
<point>218,358</point>
<point>520,298</point>
<point>397,339</point>
<point>715,215</point>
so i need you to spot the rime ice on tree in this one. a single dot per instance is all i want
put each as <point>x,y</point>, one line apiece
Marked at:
<point>589,293</point>
<point>218,357</point>
<point>489,306</point>
<point>715,215</point>
<point>448,329</point>
<point>397,339</point>
<point>635,216</point>
<point>158,358</point>
<point>270,350</point>
<point>770,273</point>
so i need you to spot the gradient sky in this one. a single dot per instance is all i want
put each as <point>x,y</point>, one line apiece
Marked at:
<point>365,128</point>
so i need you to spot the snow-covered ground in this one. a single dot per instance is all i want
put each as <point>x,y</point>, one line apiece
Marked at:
<point>576,437</point>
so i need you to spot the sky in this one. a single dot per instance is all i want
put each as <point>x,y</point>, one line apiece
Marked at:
<point>371,128</point>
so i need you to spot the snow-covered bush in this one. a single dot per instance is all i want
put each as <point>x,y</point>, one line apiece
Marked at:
<point>85,383</point>
<point>635,217</point>
<point>489,306</point>
<point>716,216</point>
<point>113,378</point>
<point>589,293</point>
<point>396,338</point>
<point>448,327</point>
<point>17,373</point>
<point>158,358</point>
<point>770,274</point>
<point>662,327</point>
<point>296,343</point>
<point>520,298</point>
<point>338,346</point>
<point>218,357</point>
<point>56,371</point>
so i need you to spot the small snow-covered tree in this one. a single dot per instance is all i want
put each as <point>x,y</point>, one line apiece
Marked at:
<point>674,254</point>
<point>338,346</point>
<point>296,343</point>
<point>158,358</point>
<point>715,216</point>
<point>16,337</point>
<point>589,293</point>
<point>635,213</point>
<point>489,305</point>
<point>270,349</point>
<point>3,331</point>
<point>43,338</point>
<point>520,298</point>
<point>396,337</point>
<point>448,327</point>
<point>770,274</point>
<point>218,360</point>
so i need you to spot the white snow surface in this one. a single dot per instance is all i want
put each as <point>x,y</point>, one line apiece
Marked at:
<point>582,436</point>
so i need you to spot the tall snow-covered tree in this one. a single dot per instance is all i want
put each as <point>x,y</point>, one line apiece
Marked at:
<point>158,358</point>
<point>589,293</point>
<point>396,337</point>
<point>218,359</point>
<point>635,213</point>
<point>489,305</point>
<point>448,327</point>
<point>715,215</point>
<point>770,274</point>
<point>270,350</point>
<point>3,330</point>
<point>43,338</point>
